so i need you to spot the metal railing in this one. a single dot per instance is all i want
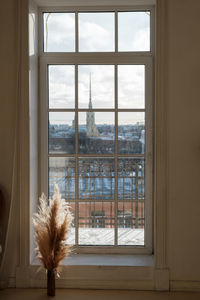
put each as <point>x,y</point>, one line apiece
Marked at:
<point>98,193</point>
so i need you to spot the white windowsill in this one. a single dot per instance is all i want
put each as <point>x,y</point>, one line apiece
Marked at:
<point>107,260</point>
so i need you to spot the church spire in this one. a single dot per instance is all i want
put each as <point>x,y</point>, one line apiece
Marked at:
<point>90,94</point>
<point>90,116</point>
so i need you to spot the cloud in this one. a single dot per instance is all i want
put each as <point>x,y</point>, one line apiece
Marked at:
<point>61,32</point>
<point>102,86</point>
<point>61,118</point>
<point>61,86</point>
<point>131,89</point>
<point>134,31</point>
<point>96,32</point>
<point>130,118</point>
<point>100,118</point>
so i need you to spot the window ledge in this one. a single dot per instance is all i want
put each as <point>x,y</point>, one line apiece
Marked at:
<point>113,260</point>
<point>100,272</point>
<point>109,260</point>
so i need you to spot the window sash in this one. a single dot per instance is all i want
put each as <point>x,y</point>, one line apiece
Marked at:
<point>105,8</point>
<point>114,58</point>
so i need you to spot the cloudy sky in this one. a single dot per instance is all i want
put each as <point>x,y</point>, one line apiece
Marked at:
<point>96,33</point>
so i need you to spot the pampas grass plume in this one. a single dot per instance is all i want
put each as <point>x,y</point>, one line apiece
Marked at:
<point>52,225</point>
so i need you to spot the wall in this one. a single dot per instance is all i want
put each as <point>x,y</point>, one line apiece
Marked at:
<point>182,94</point>
<point>183,90</point>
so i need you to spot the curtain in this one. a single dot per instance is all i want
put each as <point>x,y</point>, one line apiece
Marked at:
<point>10,246</point>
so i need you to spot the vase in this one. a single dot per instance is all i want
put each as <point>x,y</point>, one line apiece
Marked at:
<point>50,283</point>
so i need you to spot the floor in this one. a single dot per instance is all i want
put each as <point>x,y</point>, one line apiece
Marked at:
<point>72,294</point>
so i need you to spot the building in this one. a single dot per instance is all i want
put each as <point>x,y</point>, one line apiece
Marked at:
<point>91,129</point>
<point>90,117</point>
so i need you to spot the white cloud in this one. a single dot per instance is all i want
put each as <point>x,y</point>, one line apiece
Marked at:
<point>61,32</point>
<point>61,118</point>
<point>61,86</point>
<point>134,31</point>
<point>96,32</point>
<point>131,86</point>
<point>102,86</point>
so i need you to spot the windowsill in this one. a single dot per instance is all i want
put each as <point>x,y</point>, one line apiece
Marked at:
<point>107,260</point>
<point>110,260</point>
<point>107,271</point>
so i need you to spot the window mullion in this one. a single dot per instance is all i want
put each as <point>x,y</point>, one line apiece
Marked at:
<point>116,32</point>
<point>76,32</point>
<point>116,153</point>
<point>76,159</point>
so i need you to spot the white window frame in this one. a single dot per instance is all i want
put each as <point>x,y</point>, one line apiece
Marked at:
<point>143,58</point>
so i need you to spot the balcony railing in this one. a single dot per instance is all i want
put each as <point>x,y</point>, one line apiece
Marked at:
<point>100,189</point>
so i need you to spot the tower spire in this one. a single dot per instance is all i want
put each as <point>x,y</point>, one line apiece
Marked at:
<point>90,117</point>
<point>90,94</point>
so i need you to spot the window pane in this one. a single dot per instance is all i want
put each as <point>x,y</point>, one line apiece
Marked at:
<point>61,132</point>
<point>131,193</point>
<point>96,178</point>
<point>96,223</point>
<point>96,83</point>
<point>131,179</point>
<point>59,32</point>
<point>130,233</point>
<point>131,132</point>
<point>96,132</point>
<point>71,236</point>
<point>134,31</point>
<point>62,172</point>
<point>96,32</point>
<point>61,86</point>
<point>131,86</point>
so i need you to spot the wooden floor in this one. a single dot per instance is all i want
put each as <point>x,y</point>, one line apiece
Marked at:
<point>72,294</point>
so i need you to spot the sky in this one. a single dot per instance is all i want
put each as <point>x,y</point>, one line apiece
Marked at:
<point>96,33</point>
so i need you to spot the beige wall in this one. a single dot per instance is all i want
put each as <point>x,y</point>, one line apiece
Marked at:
<point>183,90</point>
<point>183,94</point>
<point>8,98</point>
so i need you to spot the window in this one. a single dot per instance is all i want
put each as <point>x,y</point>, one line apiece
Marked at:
<point>96,124</point>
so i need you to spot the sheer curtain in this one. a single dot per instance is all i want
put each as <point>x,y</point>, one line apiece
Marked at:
<point>10,244</point>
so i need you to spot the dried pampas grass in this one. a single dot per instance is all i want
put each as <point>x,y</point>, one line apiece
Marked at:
<point>52,224</point>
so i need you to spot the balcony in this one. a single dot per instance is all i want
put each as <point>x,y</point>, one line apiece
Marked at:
<point>110,206</point>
